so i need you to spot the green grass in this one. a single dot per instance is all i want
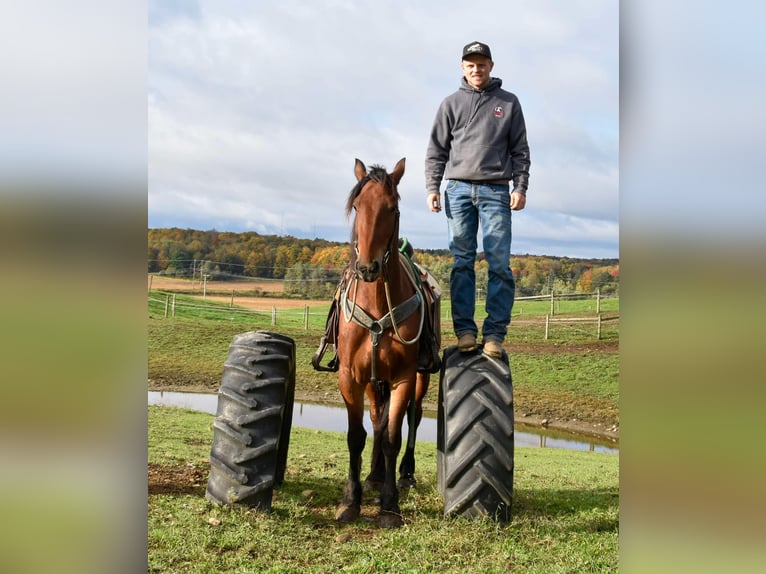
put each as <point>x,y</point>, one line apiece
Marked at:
<point>581,386</point>
<point>570,375</point>
<point>191,307</point>
<point>577,373</point>
<point>565,307</point>
<point>565,514</point>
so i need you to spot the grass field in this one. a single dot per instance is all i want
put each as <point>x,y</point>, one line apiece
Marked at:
<point>570,376</point>
<point>565,514</point>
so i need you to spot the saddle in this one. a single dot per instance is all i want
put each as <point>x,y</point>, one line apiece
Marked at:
<point>429,344</point>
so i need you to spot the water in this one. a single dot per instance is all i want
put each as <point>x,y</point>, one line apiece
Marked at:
<point>332,418</point>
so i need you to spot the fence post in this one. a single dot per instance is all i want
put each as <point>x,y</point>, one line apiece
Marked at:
<point>231,303</point>
<point>598,330</point>
<point>273,316</point>
<point>306,317</point>
<point>547,323</point>
<point>151,277</point>
<point>173,306</point>
<point>553,312</point>
<point>167,300</point>
<point>598,300</point>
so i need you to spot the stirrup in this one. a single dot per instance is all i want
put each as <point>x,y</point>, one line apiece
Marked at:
<point>316,360</point>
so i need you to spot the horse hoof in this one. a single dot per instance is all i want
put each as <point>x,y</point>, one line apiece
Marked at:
<point>346,513</point>
<point>389,519</point>
<point>407,482</point>
<point>372,485</point>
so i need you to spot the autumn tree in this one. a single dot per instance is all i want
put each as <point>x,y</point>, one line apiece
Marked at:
<point>585,281</point>
<point>180,263</point>
<point>231,264</point>
<point>260,262</point>
<point>331,257</point>
<point>283,260</point>
<point>311,282</point>
<point>153,263</point>
<point>175,250</point>
<point>604,282</point>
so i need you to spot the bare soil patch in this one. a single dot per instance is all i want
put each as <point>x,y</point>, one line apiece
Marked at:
<point>266,303</point>
<point>178,479</point>
<point>214,291</point>
<point>191,286</point>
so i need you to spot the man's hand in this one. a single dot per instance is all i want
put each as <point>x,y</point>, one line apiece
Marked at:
<point>518,201</point>
<point>434,202</point>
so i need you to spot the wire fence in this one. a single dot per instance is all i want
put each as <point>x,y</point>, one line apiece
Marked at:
<point>313,317</point>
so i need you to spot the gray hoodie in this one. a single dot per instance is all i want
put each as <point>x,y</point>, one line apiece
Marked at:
<point>478,135</point>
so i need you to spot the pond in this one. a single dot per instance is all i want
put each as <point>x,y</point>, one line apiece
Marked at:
<point>333,418</point>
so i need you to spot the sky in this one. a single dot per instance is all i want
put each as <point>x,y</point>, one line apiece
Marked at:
<point>258,110</point>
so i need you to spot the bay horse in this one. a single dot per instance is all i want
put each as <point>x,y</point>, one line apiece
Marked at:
<point>378,332</point>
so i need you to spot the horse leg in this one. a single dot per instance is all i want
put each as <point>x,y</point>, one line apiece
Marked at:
<point>351,504</point>
<point>374,480</point>
<point>407,466</point>
<point>390,515</point>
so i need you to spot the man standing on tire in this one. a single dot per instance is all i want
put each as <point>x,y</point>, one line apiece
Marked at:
<point>478,144</point>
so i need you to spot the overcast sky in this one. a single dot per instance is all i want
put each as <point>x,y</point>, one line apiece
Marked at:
<point>257,111</point>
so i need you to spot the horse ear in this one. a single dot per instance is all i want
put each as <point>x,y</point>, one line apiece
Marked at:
<point>359,170</point>
<point>398,172</point>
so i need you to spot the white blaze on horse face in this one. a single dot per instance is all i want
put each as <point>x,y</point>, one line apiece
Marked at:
<point>376,202</point>
<point>375,229</point>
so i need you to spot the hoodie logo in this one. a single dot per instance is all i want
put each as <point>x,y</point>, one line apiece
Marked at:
<point>498,112</point>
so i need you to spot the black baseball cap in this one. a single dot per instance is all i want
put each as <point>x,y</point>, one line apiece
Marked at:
<point>476,48</point>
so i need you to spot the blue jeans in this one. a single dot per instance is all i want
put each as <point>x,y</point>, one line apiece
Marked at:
<point>467,205</point>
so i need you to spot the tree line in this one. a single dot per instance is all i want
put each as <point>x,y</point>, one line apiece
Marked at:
<point>312,267</point>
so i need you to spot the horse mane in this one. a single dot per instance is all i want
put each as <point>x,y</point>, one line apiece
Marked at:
<point>377,173</point>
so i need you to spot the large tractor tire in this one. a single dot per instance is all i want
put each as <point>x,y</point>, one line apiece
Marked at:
<point>475,435</point>
<point>287,420</point>
<point>251,431</point>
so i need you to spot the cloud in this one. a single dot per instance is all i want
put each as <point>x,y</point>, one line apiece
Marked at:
<point>257,111</point>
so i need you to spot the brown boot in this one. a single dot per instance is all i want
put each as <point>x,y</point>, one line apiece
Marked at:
<point>493,348</point>
<point>466,342</point>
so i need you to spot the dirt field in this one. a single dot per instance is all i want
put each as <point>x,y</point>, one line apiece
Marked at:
<point>214,289</point>
<point>195,286</point>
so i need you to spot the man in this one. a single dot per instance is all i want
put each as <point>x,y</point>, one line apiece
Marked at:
<point>478,144</point>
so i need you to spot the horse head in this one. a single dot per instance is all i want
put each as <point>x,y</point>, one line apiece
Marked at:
<point>376,226</point>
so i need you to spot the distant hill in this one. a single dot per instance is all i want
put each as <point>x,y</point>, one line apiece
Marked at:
<point>316,264</point>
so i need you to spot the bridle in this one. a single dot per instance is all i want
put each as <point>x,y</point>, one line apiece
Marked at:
<point>395,315</point>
